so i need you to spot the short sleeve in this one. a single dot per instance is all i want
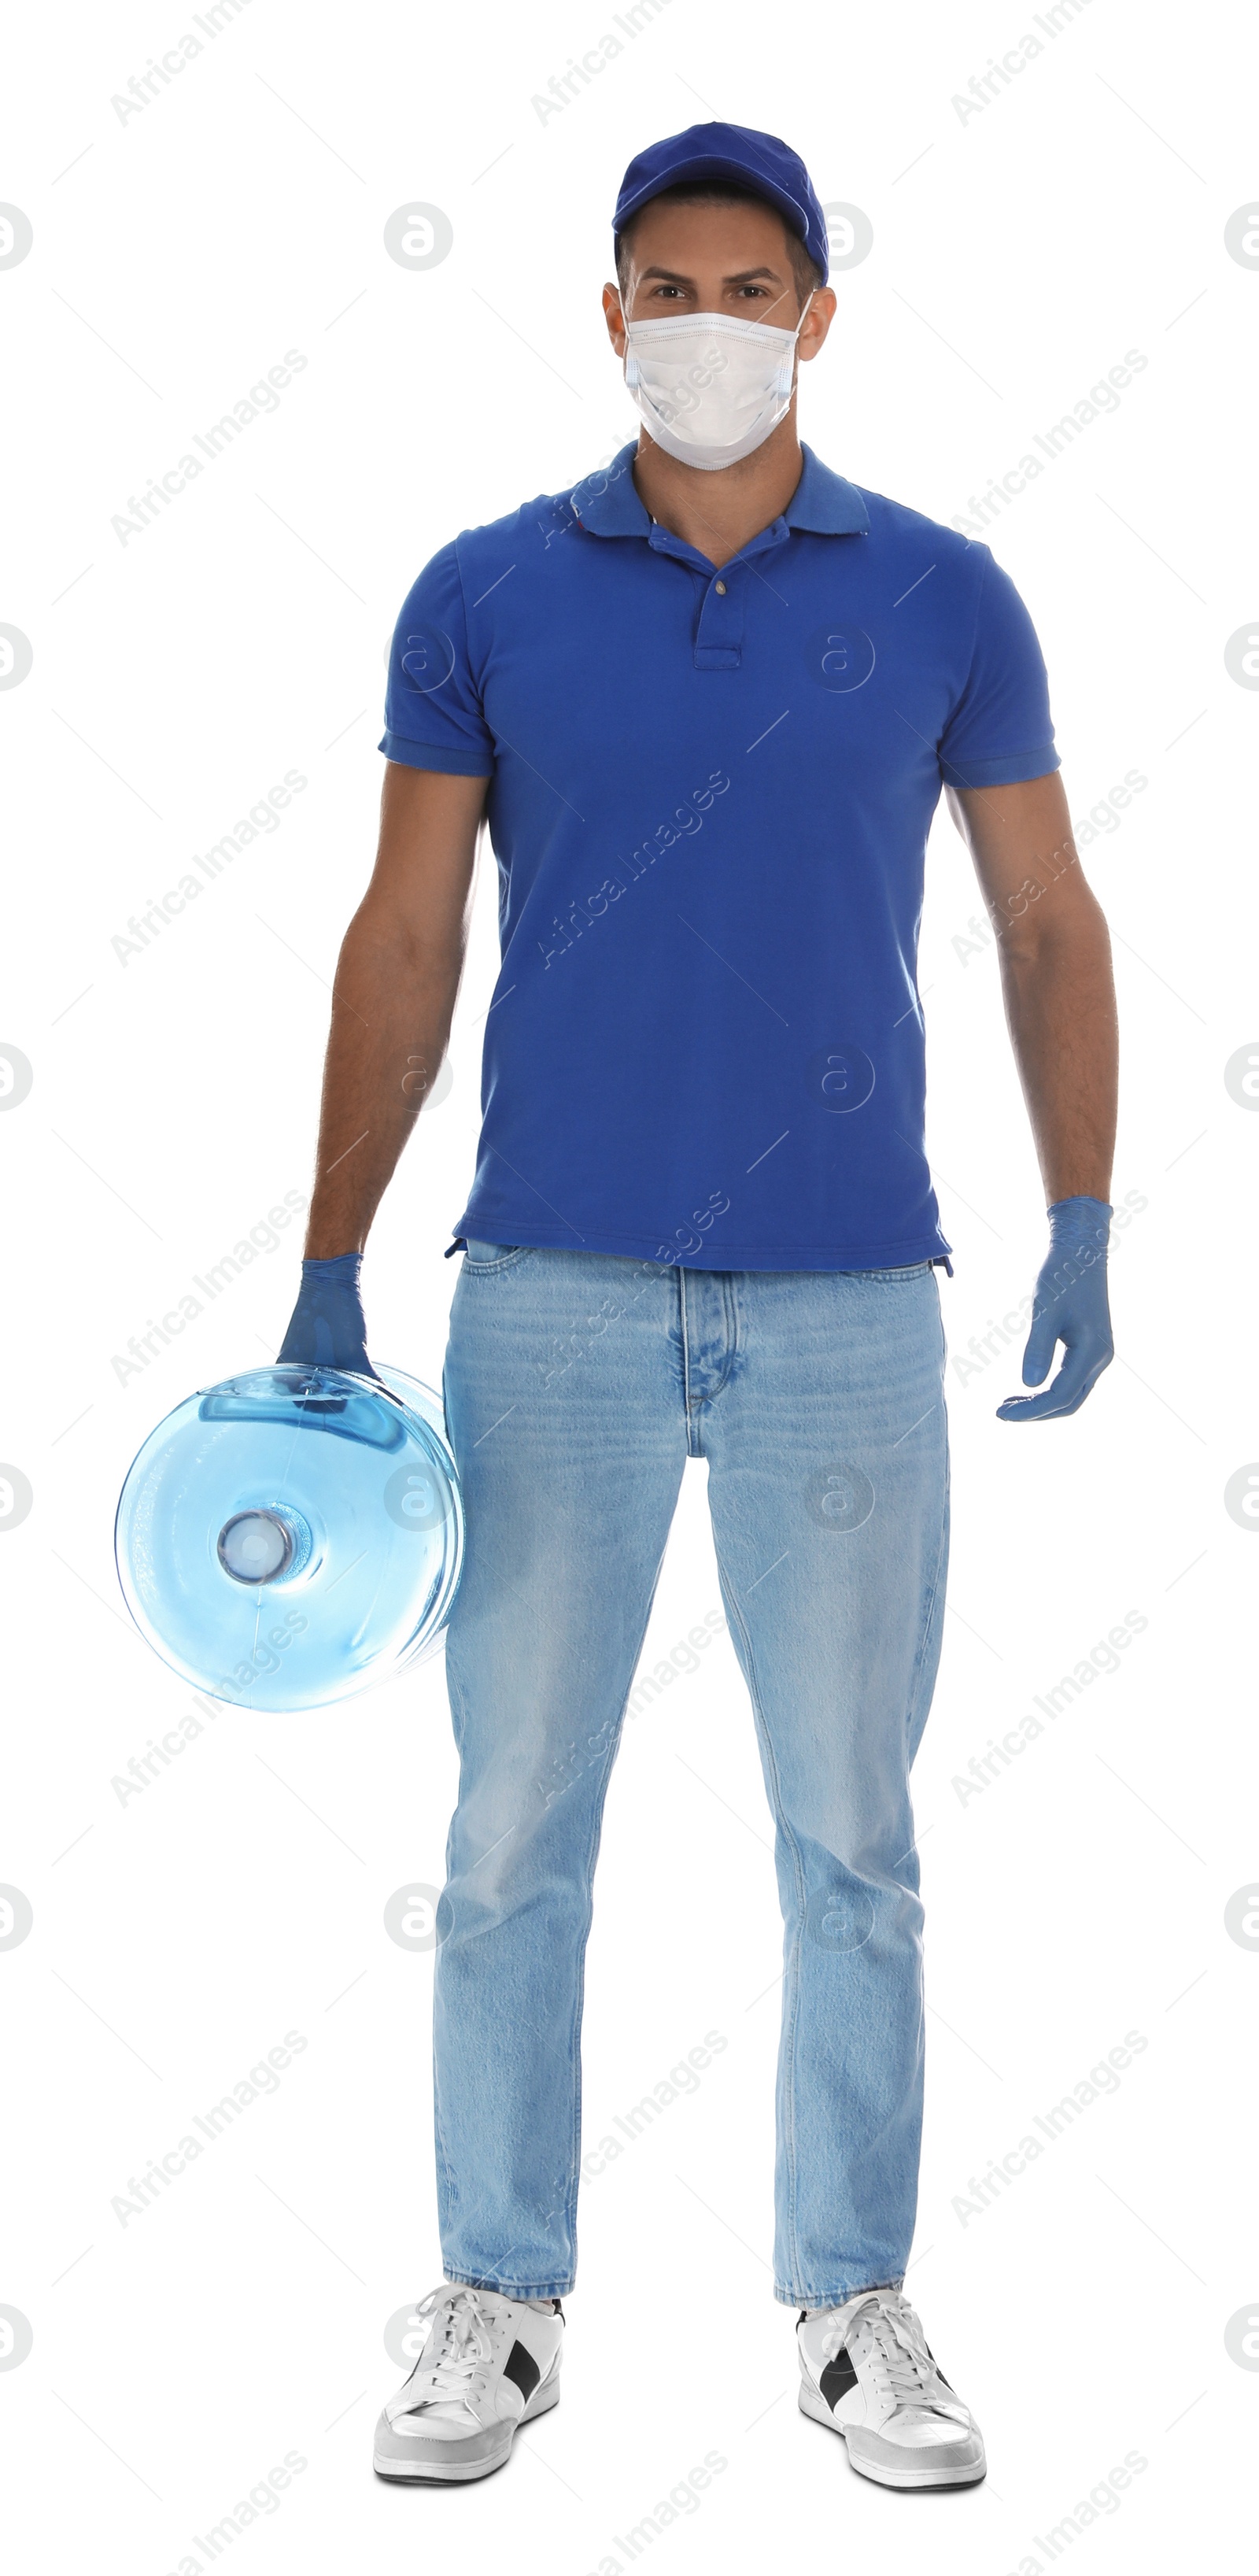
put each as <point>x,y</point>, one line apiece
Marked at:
<point>1000,730</point>
<point>433,713</point>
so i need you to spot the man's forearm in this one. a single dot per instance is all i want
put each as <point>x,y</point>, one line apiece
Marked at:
<point>1060,1006</point>
<point>391,1013</point>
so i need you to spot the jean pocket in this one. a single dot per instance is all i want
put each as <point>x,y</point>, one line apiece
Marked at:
<point>492,1256</point>
<point>907,1270</point>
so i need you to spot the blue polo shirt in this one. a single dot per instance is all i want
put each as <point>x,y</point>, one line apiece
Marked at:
<point>710,793</point>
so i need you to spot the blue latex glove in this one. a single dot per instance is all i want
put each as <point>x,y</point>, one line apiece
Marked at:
<point>328,1328</point>
<point>1071,1306</point>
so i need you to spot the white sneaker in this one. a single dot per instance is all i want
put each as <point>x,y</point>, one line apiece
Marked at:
<point>867,2370</point>
<point>489,2363</point>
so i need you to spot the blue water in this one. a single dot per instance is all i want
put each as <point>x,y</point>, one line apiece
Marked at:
<point>292,1536</point>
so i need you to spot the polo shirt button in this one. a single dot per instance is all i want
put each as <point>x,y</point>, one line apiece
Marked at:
<point>720,588</point>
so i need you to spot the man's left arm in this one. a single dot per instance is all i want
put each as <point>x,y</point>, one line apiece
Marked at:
<point>1060,1009</point>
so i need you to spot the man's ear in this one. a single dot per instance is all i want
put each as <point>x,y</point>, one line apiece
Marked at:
<point>817,321</point>
<point>614,316</point>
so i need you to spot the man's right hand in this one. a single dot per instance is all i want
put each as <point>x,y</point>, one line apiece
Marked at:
<point>328,1329</point>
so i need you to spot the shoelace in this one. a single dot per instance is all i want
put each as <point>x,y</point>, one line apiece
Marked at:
<point>466,2344</point>
<point>887,2337</point>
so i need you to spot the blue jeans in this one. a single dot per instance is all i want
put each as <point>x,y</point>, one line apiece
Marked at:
<point>576,1386</point>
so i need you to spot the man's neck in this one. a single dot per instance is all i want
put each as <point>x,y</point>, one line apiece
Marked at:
<point>720,513</point>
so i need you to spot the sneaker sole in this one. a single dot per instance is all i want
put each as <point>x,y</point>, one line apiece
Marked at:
<point>460,2472</point>
<point>920,2480</point>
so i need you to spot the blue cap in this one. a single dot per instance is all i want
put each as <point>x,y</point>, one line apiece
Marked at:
<point>735,152</point>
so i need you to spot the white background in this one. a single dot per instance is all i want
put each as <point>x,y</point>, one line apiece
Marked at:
<point>1017,256</point>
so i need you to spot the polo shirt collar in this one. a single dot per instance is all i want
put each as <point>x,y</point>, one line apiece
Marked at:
<point>823,504</point>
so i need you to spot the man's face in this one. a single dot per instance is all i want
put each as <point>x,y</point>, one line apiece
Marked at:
<point>714,259</point>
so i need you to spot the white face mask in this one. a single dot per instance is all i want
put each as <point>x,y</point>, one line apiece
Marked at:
<point>710,387</point>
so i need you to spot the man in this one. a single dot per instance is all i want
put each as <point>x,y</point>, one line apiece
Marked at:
<point>707,702</point>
